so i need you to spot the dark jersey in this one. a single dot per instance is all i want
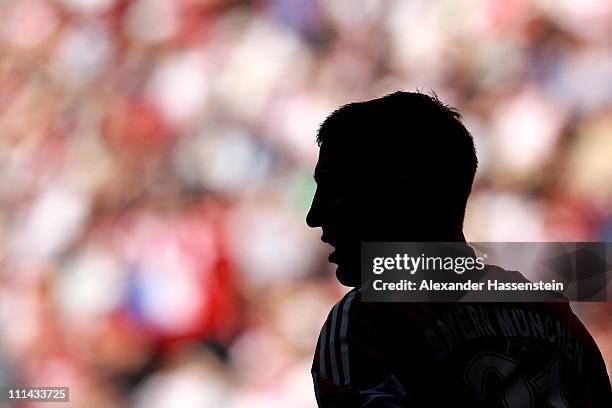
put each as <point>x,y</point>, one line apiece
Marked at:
<point>457,354</point>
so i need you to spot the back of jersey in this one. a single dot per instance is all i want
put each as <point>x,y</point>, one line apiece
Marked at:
<point>458,354</point>
<point>510,355</point>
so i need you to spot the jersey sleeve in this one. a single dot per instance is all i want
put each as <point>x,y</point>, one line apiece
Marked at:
<point>350,366</point>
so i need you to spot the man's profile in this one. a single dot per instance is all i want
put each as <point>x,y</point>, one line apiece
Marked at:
<point>400,168</point>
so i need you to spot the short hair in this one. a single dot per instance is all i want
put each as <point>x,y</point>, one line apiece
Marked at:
<point>405,138</point>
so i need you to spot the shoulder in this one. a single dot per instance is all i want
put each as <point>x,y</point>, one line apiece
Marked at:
<point>331,357</point>
<point>364,324</point>
<point>351,311</point>
<point>350,302</point>
<point>337,321</point>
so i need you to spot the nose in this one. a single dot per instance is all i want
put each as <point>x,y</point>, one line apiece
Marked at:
<point>313,218</point>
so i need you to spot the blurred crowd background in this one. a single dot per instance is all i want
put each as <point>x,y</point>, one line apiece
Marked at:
<point>156,162</point>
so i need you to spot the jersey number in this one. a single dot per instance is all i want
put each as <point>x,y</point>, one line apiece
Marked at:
<point>518,391</point>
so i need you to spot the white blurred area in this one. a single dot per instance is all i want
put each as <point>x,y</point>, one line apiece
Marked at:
<point>156,160</point>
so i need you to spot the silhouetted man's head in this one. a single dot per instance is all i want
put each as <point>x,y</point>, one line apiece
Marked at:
<point>397,168</point>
